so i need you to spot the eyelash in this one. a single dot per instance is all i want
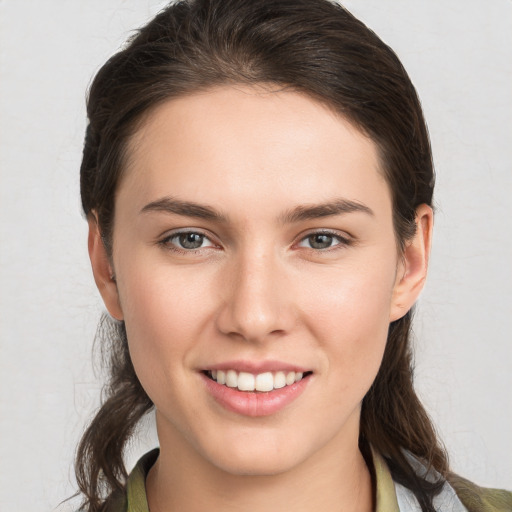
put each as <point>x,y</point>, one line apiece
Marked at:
<point>166,242</point>
<point>343,241</point>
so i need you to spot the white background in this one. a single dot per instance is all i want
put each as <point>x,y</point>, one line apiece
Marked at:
<point>458,53</point>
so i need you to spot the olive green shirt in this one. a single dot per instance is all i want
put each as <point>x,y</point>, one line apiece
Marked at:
<point>459,495</point>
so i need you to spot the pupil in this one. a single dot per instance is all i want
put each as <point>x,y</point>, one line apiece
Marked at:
<point>191,240</point>
<point>320,241</point>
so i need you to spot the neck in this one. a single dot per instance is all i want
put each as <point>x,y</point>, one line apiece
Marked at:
<point>334,481</point>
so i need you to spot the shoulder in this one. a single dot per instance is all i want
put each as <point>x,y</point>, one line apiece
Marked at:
<point>480,499</point>
<point>456,495</point>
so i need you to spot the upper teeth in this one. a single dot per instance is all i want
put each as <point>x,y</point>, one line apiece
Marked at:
<point>261,382</point>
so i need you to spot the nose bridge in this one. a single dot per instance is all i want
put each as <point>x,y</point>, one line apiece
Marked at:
<point>255,303</point>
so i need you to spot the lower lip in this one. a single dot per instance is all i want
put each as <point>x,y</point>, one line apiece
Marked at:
<point>250,403</point>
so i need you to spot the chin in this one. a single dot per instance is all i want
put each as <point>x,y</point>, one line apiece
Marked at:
<point>262,463</point>
<point>257,453</point>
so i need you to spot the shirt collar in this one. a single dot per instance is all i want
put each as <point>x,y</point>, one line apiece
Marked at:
<point>385,495</point>
<point>136,484</point>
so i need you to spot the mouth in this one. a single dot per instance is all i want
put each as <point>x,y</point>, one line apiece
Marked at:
<point>260,383</point>
<point>256,389</point>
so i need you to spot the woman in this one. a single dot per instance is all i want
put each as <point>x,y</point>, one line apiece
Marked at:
<point>258,181</point>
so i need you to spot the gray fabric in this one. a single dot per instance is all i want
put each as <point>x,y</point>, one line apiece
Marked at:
<point>445,501</point>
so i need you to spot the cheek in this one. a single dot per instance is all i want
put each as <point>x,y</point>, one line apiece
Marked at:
<point>348,314</point>
<point>165,310</point>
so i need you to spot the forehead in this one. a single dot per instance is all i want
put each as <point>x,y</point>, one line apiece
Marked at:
<point>245,142</point>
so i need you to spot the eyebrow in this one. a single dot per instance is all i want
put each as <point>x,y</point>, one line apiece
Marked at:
<point>336,207</point>
<point>299,213</point>
<point>186,208</point>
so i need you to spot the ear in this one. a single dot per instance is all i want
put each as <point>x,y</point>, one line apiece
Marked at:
<point>412,270</point>
<point>103,271</point>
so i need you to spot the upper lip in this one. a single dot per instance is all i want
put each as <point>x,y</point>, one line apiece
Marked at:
<point>256,367</point>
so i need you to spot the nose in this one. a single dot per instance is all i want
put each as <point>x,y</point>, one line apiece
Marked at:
<point>256,299</point>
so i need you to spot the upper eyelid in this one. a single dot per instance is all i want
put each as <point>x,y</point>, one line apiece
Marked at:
<point>167,236</point>
<point>175,232</point>
<point>331,232</point>
<point>344,241</point>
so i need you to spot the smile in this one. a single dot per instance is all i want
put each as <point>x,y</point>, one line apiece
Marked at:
<point>255,391</point>
<point>263,382</point>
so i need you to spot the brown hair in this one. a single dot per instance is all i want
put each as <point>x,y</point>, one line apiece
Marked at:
<point>312,46</point>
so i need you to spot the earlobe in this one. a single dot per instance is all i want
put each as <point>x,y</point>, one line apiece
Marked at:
<point>103,271</point>
<point>412,272</point>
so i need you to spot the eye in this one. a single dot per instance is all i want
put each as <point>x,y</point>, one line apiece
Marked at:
<point>188,241</point>
<point>319,241</point>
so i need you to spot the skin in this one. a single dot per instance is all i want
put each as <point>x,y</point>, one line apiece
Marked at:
<point>257,290</point>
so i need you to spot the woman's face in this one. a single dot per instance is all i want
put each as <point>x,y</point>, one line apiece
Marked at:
<point>253,235</point>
